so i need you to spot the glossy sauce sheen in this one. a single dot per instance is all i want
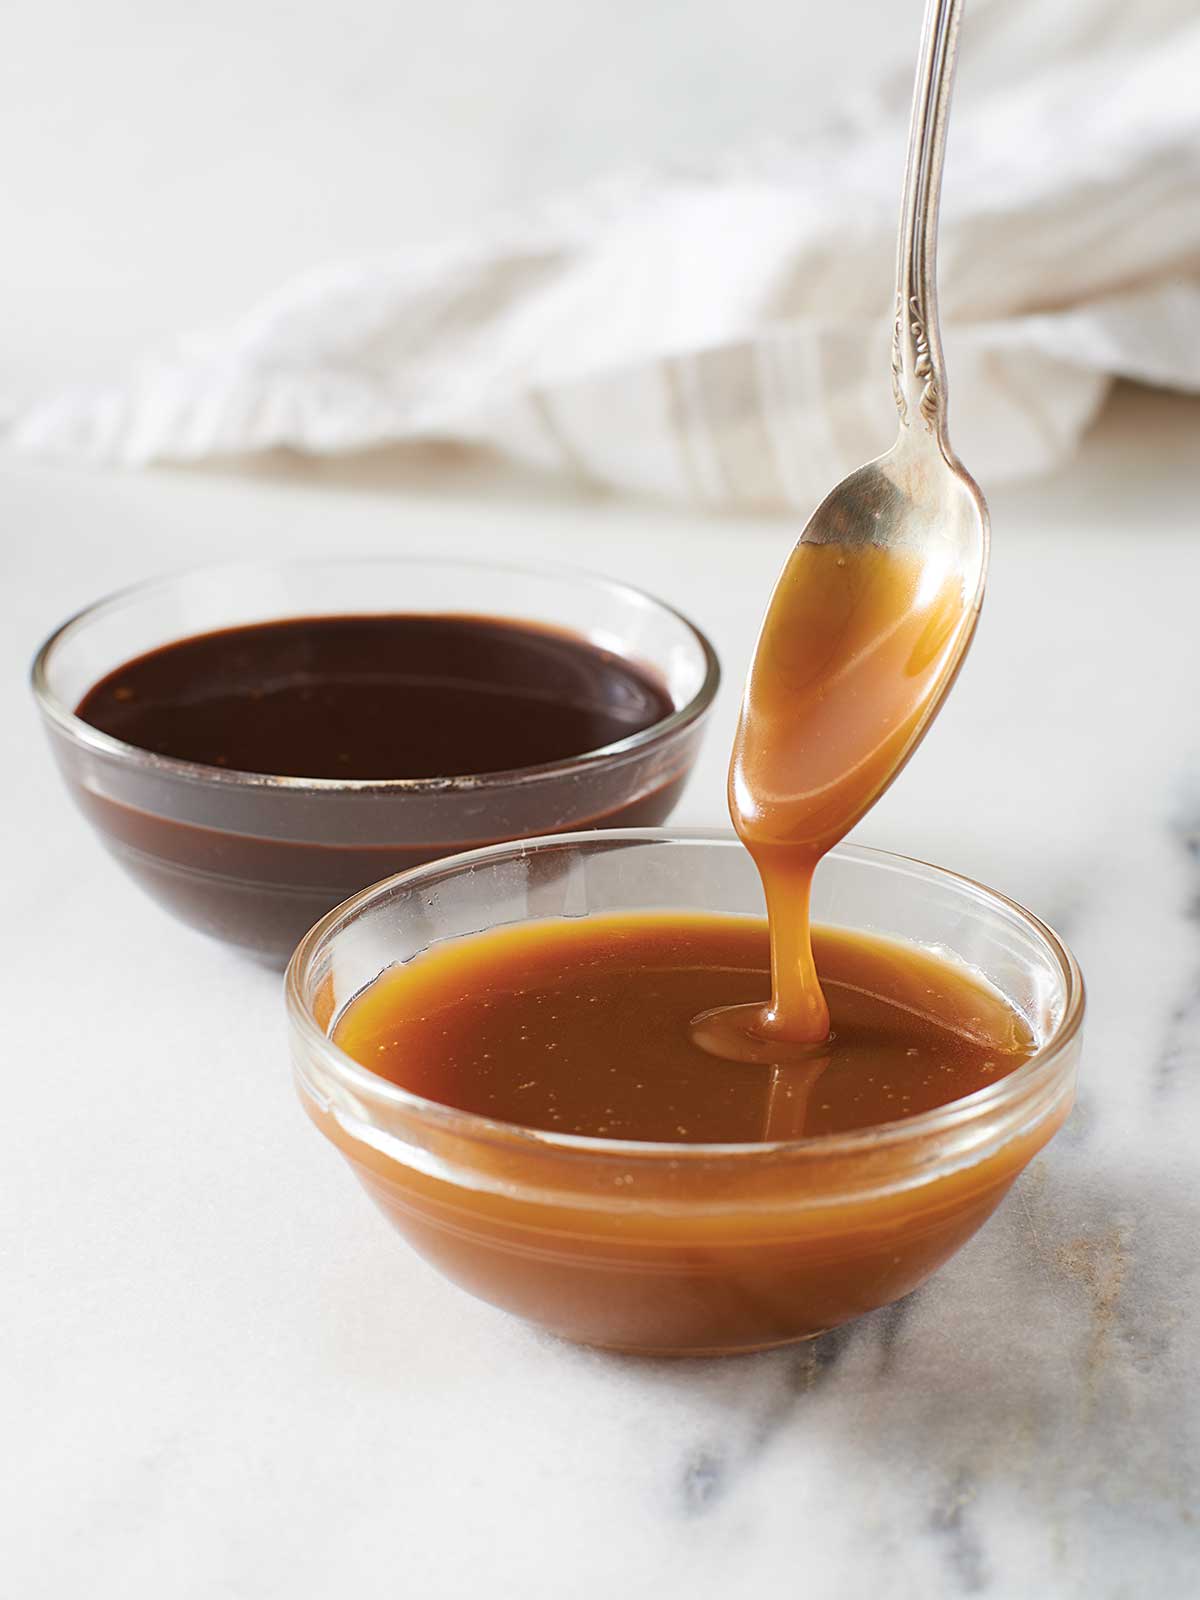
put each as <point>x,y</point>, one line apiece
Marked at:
<point>582,1027</point>
<point>376,697</point>
<point>852,657</point>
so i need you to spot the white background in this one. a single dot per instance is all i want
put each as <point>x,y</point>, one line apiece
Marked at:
<point>166,162</point>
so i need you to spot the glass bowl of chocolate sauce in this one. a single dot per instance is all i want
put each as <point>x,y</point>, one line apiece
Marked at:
<point>497,1044</point>
<point>253,743</point>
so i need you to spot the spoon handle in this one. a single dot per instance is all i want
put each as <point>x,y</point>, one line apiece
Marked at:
<point>918,369</point>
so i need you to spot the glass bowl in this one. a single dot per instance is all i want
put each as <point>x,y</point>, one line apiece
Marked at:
<point>682,1248</point>
<point>255,859</point>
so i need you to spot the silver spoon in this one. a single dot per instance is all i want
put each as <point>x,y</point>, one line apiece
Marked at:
<point>851,667</point>
<point>919,495</point>
<point>854,660</point>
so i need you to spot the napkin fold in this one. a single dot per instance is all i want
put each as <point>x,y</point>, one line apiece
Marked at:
<point>722,336</point>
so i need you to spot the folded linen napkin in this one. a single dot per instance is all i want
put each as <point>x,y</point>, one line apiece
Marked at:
<point>723,337</point>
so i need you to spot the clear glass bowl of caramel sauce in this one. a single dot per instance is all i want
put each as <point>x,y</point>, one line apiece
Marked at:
<point>253,851</point>
<point>683,1248</point>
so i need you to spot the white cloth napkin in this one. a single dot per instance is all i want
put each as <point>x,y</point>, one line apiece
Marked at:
<point>723,337</point>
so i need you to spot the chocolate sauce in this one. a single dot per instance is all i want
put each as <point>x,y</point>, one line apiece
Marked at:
<point>376,697</point>
<point>362,697</point>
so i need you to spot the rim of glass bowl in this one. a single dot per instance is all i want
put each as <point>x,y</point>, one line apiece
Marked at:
<point>1013,1089</point>
<point>63,716</point>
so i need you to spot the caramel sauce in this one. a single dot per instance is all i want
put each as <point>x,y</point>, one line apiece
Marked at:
<point>849,665</point>
<point>582,1027</point>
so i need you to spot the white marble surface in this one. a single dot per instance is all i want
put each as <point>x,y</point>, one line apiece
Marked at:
<point>222,1375</point>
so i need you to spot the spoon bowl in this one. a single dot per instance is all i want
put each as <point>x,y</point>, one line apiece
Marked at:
<point>919,501</point>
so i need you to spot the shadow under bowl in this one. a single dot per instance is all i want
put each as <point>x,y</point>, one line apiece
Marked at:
<point>682,1249</point>
<point>255,859</point>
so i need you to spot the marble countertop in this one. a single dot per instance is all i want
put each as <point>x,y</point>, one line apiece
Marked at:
<point>224,1376</point>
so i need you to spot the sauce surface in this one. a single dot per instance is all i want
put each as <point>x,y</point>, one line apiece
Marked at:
<point>388,696</point>
<point>581,1026</point>
<point>852,656</point>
